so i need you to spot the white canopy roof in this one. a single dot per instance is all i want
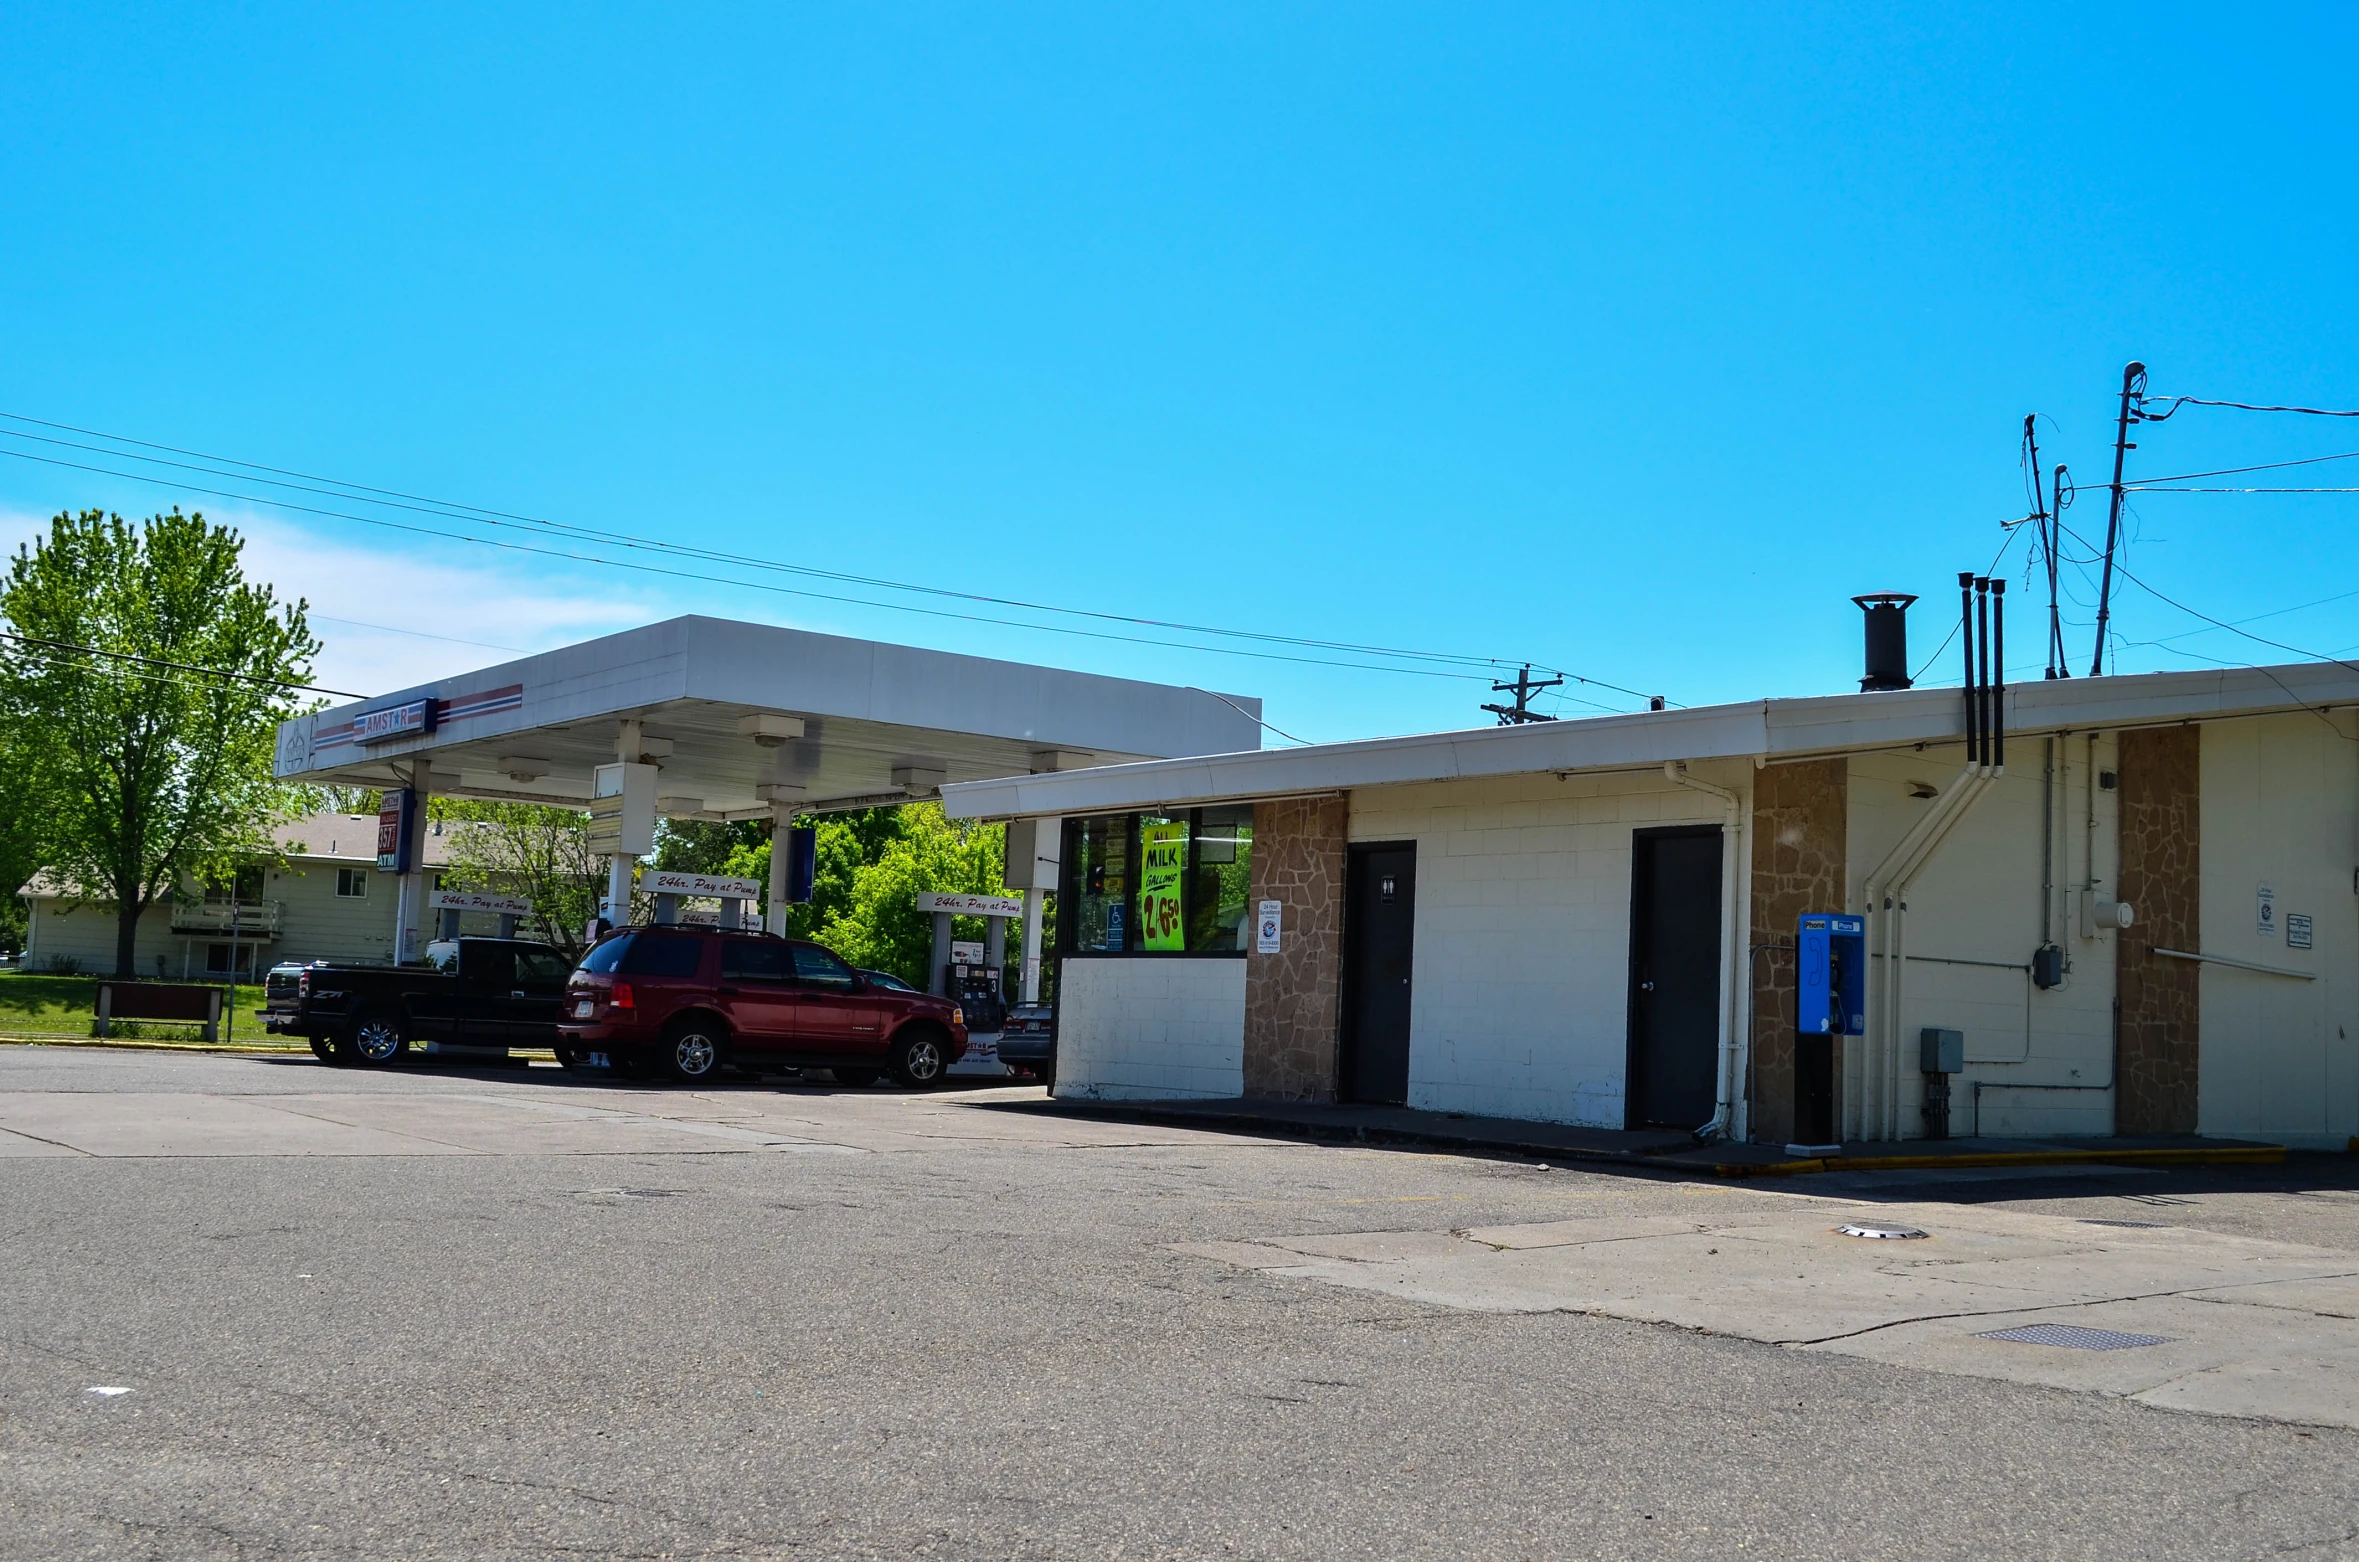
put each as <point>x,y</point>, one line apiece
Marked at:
<point>737,712</point>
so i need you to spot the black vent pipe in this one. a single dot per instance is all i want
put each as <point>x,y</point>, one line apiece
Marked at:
<point>1886,623</point>
<point>1994,673</point>
<point>1966,639</point>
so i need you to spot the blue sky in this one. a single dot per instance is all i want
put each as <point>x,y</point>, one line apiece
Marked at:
<point>1631,341</point>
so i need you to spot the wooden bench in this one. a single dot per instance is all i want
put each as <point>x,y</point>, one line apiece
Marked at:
<point>182,1002</point>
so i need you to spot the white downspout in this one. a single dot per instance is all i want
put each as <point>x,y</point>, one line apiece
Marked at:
<point>1731,886</point>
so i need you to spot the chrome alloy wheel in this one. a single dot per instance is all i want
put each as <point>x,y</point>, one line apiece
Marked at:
<point>921,1063</point>
<point>693,1054</point>
<point>377,1039</point>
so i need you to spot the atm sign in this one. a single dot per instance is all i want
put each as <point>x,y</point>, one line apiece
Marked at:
<point>395,721</point>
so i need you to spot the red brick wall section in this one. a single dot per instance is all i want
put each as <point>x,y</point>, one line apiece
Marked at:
<point>1293,998</point>
<point>2161,877</point>
<point>1800,833</point>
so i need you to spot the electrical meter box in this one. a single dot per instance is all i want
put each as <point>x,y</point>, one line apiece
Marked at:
<point>1831,993</point>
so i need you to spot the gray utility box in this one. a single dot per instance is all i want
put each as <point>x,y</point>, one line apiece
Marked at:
<point>1942,1051</point>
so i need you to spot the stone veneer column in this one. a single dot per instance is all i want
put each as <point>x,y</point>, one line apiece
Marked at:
<point>1293,999</point>
<point>2157,1039</point>
<point>1800,837</point>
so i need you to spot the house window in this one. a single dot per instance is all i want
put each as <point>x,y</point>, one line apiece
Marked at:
<point>225,959</point>
<point>352,883</point>
<point>245,886</point>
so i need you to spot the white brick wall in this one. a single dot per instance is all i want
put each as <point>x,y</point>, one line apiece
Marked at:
<point>2280,1058</point>
<point>1520,1003</point>
<point>1979,900</point>
<point>1150,1028</point>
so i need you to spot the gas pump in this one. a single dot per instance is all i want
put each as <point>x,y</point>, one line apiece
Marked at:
<point>976,988</point>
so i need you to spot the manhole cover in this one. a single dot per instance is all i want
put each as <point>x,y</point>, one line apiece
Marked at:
<point>2072,1337</point>
<point>1881,1233</point>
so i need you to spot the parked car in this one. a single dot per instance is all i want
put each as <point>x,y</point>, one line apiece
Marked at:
<point>689,1002</point>
<point>496,997</point>
<point>1028,1041</point>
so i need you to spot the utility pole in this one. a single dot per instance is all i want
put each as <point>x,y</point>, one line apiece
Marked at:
<point>2133,390</point>
<point>2039,516</point>
<point>2058,658</point>
<point>1523,689</point>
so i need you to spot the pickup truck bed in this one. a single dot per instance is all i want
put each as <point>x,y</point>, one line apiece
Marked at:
<point>499,995</point>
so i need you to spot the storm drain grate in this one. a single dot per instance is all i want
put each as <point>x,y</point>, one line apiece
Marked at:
<point>2073,1338</point>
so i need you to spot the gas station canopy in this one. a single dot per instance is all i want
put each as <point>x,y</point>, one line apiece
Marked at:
<point>749,721</point>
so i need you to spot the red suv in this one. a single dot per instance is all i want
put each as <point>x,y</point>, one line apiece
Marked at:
<point>688,1001</point>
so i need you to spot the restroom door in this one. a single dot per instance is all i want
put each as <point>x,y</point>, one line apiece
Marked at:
<point>1674,977</point>
<point>1378,941</point>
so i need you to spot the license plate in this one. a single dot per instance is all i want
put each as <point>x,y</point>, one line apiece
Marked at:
<point>584,1008</point>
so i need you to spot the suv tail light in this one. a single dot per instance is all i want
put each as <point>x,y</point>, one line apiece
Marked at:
<point>620,998</point>
<point>303,985</point>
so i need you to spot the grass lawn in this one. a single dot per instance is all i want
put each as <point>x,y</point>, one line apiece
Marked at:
<point>34,1004</point>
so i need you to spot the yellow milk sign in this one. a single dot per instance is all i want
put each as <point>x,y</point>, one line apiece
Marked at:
<point>1163,867</point>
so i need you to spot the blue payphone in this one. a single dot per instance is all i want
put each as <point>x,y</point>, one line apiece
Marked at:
<point>1831,990</point>
<point>1830,1000</point>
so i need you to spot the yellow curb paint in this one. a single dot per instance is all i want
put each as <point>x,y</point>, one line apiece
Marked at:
<point>2224,1155</point>
<point>137,1045</point>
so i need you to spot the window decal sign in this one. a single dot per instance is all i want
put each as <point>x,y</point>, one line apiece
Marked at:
<point>1163,867</point>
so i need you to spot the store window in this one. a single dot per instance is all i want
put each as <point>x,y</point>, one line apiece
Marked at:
<point>1157,883</point>
<point>1094,908</point>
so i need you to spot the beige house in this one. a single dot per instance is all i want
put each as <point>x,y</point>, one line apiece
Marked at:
<point>326,900</point>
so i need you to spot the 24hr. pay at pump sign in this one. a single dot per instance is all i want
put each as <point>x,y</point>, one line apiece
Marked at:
<point>1163,868</point>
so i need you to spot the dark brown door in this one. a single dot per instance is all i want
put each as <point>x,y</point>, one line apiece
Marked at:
<point>1379,949</point>
<point>1674,977</point>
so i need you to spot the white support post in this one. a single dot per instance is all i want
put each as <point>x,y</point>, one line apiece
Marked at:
<point>1035,909</point>
<point>409,900</point>
<point>938,977</point>
<point>782,820</point>
<point>618,887</point>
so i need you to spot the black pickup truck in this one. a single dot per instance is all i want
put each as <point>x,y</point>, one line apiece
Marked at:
<point>494,996</point>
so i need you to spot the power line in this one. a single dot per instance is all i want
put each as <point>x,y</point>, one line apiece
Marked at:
<point>2221,623</point>
<point>2155,488</point>
<point>2265,466</point>
<point>479,515</point>
<point>41,643</point>
<point>2241,406</point>
<point>2012,529</point>
<point>748,585</point>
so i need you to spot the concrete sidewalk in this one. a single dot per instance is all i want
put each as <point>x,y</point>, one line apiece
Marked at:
<point>1663,1148</point>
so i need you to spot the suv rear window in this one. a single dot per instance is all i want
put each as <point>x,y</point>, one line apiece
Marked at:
<point>636,954</point>
<point>662,956</point>
<point>602,960</point>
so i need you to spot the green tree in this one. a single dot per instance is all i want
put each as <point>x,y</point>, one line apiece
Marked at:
<point>878,924</point>
<point>528,849</point>
<point>24,826</point>
<point>706,845</point>
<point>150,676</point>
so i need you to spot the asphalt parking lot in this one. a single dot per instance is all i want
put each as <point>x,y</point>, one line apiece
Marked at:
<point>517,1314</point>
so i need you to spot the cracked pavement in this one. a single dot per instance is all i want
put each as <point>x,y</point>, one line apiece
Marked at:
<point>521,1314</point>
